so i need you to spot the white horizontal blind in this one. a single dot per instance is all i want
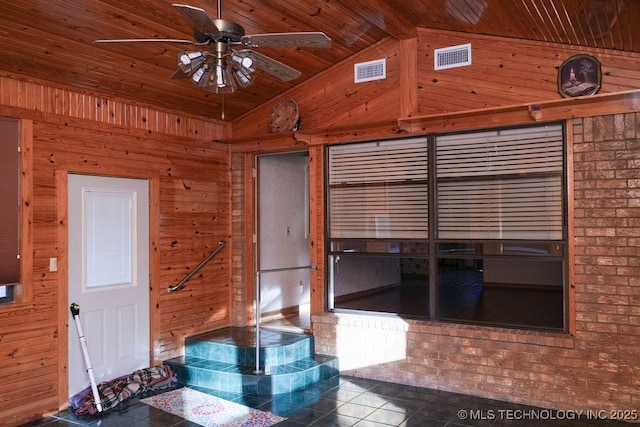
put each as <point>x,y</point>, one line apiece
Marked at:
<point>503,184</point>
<point>379,189</point>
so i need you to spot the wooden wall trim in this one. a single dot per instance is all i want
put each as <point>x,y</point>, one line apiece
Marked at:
<point>317,229</point>
<point>266,143</point>
<point>25,290</point>
<point>571,242</point>
<point>155,288</point>
<point>62,230</point>
<point>386,129</point>
<point>557,109</point>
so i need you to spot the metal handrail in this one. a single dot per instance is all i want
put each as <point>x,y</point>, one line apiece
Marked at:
<point>257,304</point>
<point>197,268</point>
<point>302,267</point>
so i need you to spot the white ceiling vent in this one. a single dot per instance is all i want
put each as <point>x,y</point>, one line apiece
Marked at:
<point>371,70</point>
<point>453,56</point>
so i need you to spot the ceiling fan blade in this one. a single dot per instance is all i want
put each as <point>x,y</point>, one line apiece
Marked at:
<point>204,28</point>
<point>270,65</point>
<point>305,39</point>
<point>145,41</point>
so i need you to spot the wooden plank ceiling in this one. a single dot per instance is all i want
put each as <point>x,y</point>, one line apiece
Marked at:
<point>53,40</point>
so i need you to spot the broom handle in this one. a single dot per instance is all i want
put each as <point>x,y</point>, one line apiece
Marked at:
<point>75,312</point>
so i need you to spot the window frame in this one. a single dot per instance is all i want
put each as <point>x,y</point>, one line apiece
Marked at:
<point>432,241</point>
<point>8,294</point>
<point>11,210</point>
<point>22,293</point>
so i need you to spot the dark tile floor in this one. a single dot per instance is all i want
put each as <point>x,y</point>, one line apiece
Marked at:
<point>347,401</point>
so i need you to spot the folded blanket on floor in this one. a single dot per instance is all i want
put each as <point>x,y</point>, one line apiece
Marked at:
<point>120,389</point>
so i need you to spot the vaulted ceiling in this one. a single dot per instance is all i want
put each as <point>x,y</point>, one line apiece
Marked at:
<point>54,40</point>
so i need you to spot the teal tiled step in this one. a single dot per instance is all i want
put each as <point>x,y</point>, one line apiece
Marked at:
<point>232,378</point>
<point>237,346</point>
<point>225,360</point>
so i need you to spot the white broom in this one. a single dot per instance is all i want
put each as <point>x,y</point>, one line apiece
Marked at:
<point>75,312</point>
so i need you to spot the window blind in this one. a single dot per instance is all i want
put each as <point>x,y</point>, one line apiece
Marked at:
<point>504,184</point>
<point>10,207</point>
<point>379,189</point>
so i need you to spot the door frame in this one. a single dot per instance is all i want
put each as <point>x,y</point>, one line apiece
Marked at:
<point>64,321</point>
<point>246,285</point>
<point>255,219</point>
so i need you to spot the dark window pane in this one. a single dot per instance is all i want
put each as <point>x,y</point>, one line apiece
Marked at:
<point>381,284</point>
<point>506,292</point>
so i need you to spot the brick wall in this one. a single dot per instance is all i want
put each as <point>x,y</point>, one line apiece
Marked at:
<point>237,239</point>
<point>598,368</point>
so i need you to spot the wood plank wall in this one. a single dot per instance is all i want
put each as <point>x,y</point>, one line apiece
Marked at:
<point>506,72</point>
<point>190,205</point>
<point>333,100</point>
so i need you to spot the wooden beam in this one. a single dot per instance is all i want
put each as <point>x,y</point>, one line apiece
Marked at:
<point>316,230</point>
<point>557,109</point>
<point>266,143</point>
<point>408,77</point>
<point>364,132</point>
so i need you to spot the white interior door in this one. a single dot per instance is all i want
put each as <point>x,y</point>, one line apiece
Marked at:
<point>108,276</point>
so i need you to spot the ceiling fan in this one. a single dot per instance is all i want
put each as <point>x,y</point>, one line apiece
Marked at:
<point>215,64</point>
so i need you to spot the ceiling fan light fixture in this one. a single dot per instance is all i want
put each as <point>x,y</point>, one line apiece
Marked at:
<point>203,76</point>
<point>188,61</point>
<point>221,80</point>
<point>217,77</point>
<point>244,79</point>
<point>245,63</point>
<point>197,75</point>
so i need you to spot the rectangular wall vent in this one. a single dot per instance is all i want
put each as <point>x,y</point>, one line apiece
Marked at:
<point>371,70</point>
<point>453,56</point>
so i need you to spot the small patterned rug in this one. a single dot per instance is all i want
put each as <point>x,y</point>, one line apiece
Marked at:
<point>210,411</point>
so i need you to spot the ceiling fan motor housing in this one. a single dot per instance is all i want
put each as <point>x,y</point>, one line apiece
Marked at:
<point>229,31</point>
